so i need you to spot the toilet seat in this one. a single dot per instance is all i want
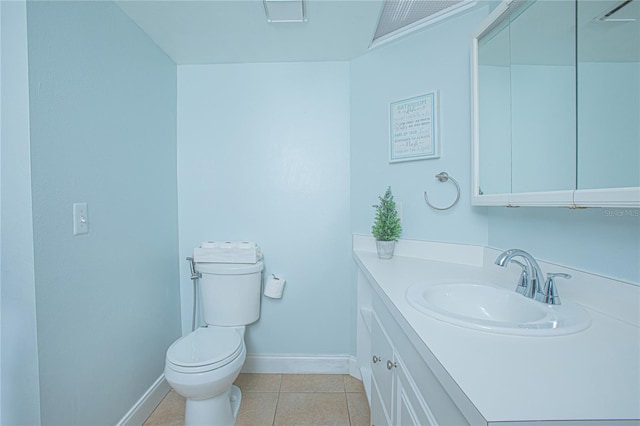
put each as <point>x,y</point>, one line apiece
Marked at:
<point>205,349</point>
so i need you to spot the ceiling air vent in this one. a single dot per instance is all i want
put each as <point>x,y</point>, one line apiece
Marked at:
<point>399,17</point>
<point>285,10</point>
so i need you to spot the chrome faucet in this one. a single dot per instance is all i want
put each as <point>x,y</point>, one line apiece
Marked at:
<point>531,277</point>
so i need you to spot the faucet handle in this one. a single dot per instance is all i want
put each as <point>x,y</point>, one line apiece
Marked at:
<point>549,293</point>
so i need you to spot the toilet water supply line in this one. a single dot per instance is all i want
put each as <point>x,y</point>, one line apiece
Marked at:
<point>195,275</point>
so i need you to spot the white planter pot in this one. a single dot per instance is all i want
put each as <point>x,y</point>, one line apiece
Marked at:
<point>385,249</point>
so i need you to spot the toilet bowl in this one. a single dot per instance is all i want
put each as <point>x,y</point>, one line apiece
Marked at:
<point>202,367</point>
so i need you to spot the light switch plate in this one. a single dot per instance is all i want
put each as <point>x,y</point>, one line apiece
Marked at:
<point>80,219</point>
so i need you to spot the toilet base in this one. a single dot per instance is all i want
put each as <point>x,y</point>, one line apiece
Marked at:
<point>221,410</point>
<point>235,397</point>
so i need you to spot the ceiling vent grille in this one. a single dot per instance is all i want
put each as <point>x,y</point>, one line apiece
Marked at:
<point>399,17</point>
<point>285,10</point>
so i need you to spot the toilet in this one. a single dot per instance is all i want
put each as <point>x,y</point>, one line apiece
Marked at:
<point>202,365</point>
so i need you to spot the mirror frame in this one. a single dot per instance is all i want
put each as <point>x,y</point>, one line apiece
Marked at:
<point>628,197</point>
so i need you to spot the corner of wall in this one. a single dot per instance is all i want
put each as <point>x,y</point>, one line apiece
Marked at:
<point>19,370</point>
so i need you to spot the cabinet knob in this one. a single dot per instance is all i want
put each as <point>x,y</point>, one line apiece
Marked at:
<point>391,365</point>
<point>376,359</point>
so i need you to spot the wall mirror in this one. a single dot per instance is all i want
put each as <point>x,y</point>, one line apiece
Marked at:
<point>556,104</point>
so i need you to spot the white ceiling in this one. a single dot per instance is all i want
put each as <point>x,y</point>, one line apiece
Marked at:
<point>237,31</point>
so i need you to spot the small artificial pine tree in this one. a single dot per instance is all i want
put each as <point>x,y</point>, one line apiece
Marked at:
<point>386,226</point>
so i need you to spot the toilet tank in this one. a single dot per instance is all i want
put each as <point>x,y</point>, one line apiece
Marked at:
<point>230,292</point>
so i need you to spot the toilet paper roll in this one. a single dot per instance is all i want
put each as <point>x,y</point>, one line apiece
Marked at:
<point>274,287</point>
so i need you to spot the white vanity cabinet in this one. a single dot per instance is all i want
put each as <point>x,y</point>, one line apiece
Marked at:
<point>382,382</point>
<point>446,375</point>
<point>401,386</point>
<point>394,398</point>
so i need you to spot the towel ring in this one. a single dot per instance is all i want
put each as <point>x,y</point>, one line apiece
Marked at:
<point>443,177</point>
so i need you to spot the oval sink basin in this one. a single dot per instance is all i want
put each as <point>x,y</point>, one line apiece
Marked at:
<point>495,309</point>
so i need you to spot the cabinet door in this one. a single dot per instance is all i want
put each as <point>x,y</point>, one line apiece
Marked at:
<point>382,352</point>
<point>410,408</point>
<point>378,415</point>
<point>445,410</point>
<point>406,414</point>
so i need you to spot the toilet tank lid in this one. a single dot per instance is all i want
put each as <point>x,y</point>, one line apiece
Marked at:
<point>227,252</point>
<point>230,268</point>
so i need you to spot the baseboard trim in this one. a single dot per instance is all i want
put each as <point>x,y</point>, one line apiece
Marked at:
<point>354,369</point>
<point>143,408</point>
<point>301,364</point>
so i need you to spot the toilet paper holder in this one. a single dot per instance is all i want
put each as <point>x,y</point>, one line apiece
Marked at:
<point>274,287</point>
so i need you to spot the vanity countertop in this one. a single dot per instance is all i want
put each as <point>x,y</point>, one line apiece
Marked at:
<point>594,374</point>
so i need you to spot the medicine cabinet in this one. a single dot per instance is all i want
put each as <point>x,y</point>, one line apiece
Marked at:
<point>556,104</point>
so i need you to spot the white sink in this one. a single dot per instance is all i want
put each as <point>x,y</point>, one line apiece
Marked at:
<point>495,309</point>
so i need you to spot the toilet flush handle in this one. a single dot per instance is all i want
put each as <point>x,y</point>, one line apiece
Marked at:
<point>192,266</point>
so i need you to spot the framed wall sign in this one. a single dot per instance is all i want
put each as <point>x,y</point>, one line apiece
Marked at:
<point>413,128</point>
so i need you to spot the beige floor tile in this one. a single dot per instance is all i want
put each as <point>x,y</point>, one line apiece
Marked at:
<point>312,383</point>
<point>304,399</point>
<point>351,384</point>
<point>358,409</point>
<point>312,408</point>
<point>248,382</point>
<point>170,412</point>
<point>257,409</point>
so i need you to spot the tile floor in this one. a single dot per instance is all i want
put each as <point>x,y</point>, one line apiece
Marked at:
<point>285,399</point>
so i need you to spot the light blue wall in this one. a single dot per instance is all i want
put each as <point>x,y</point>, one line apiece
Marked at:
<point>20,400</point>
<point>103,131</point>
<point>603,241</point>
<point>434,59</point>
<point>263,155</point>
<point>290,155</point>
